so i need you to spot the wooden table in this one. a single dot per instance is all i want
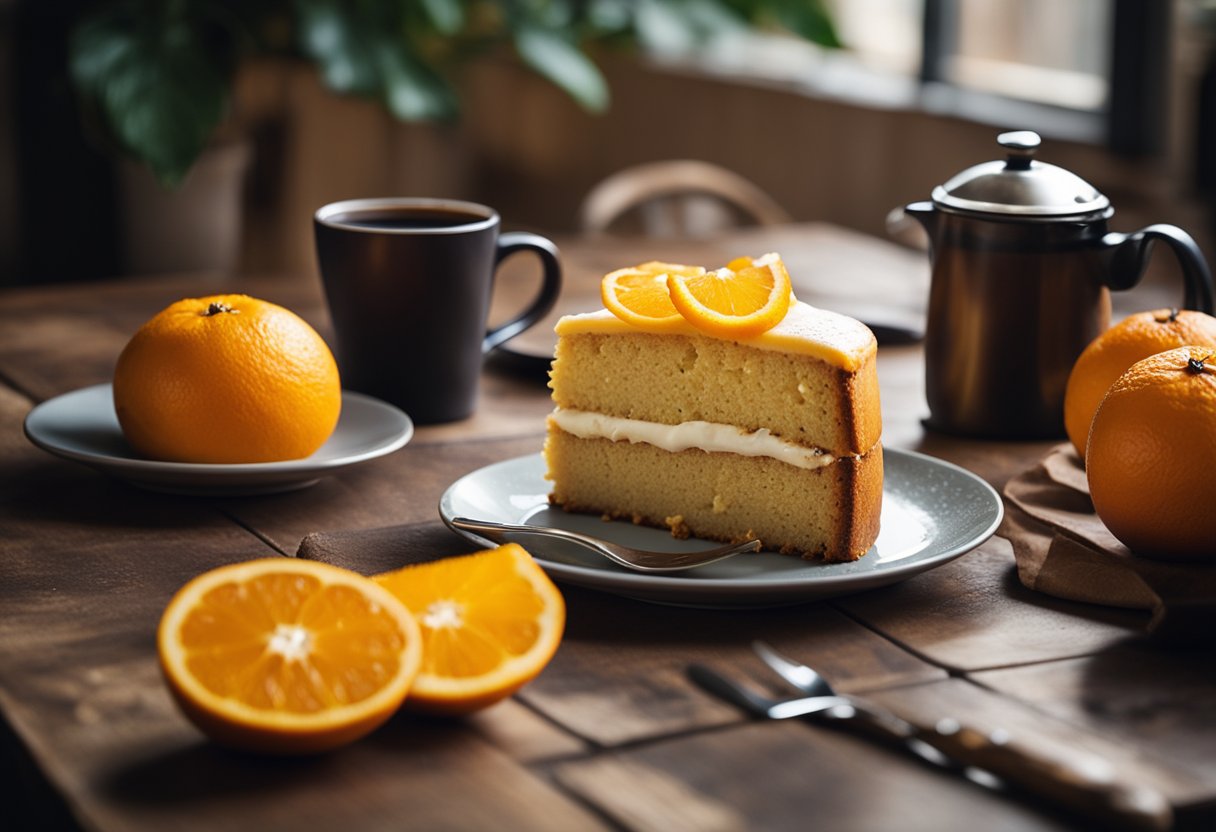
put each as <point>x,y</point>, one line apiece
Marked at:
<point>612,735</point>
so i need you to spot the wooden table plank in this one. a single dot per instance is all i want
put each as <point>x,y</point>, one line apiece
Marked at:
<point>619,676</point>
<point>86,571</point>
<point>1019,711</point>
<point>57,339</point>
<point>88,566</point>
<point>784,776</point>
<point>410,774</point>
<point>1158,704</point>
<point>524,735</point>
<point>23,465</point>
<point>401,488</point>
<point>612,732</point>
<point>86,355</point>
<point>507,406</point>
<point>616,679</point>
<point>973,614</point>
<point>715,805</point>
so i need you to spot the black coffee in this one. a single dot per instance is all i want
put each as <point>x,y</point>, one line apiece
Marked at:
<point>407,219</point>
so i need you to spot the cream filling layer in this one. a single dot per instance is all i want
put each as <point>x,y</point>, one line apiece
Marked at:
<point>707,436</point>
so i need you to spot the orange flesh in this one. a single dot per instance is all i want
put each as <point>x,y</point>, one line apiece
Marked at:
<point>283,643</point>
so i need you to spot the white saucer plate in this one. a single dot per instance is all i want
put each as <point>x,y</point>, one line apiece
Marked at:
<point>83,427</point>
<point>932,512</point>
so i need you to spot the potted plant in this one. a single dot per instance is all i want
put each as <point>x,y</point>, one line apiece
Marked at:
<point>155,79</point>
<point>155,76</point>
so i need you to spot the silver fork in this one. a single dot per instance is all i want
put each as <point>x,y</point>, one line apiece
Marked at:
<point>1079,782</point>
<point>639,560</point>
<point>798,676</point>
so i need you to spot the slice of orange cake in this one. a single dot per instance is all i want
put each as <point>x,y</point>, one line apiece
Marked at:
<point>772,436</point>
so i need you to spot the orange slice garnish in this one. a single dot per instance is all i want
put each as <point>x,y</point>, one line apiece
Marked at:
<point>638,295</point>
<point>742,300</point>
<point>287,656</point>
<point>490,623</point>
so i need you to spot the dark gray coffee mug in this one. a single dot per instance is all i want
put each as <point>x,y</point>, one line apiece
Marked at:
<point>408,283</point>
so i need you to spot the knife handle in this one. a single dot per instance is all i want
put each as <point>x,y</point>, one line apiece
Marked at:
<point>1081,782</point>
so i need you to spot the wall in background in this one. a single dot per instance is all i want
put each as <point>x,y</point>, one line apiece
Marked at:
<point>57,202</point>
<point>529,151</point>
<point>8,150</point>
<point>525,148</point>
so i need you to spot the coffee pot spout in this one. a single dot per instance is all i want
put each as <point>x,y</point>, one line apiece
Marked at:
<point>912,223</point>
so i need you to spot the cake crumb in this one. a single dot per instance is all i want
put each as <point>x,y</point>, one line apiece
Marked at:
<point>679,529</point>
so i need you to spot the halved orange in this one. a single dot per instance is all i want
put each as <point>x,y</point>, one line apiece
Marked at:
<point>490,623</point>
<point>742,300</point>
<point>638,295</point>
<point>287,656</point>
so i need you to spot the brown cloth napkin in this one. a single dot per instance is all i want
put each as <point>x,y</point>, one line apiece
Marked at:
<point>370,551</point>
<point>1063,549</point>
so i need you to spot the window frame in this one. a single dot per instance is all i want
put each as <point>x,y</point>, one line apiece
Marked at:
<point>1132,123</point>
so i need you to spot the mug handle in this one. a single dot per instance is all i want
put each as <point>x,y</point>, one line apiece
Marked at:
<point>1131,255</point>
<point>551,285</point>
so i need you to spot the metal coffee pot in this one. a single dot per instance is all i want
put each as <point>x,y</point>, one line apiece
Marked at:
<point>1023,265</point>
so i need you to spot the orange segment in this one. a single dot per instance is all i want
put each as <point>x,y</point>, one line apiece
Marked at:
<point>287,656</point>
<point>740,263</point>
<point>737,302</point>
<point>490,623</point>
<point>638,295</point>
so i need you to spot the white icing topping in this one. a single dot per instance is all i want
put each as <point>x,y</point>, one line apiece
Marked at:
<point>707,436</point>
<point>806,330</point>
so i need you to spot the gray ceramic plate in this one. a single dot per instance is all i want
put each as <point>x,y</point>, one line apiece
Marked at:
<point>932,512</point>
<point>82,426</point>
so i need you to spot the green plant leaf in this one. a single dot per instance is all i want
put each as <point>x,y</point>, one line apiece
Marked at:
<point>412,90</point>
<point>713,17</point>
<point>158,72</point>
<point>559,60</point>
<point>162,89</point>
<point>334,35</point>
<point>810,19</point>
<point>98,45</point>
<point>447,16</point>
<point>663,28</point>
<point>610,17</point>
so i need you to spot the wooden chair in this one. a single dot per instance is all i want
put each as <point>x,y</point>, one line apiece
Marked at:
<point>677,198</point>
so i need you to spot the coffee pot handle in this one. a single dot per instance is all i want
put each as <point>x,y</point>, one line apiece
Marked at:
<point>1130,255</point>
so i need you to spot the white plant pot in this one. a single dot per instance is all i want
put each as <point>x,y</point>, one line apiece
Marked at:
<point>193,228</point>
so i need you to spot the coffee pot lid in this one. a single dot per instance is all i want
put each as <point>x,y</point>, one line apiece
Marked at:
<point>1019,185</point>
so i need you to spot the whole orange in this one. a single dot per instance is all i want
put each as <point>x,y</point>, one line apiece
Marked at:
<point>226,379</point>
<point>1151,459</point>
<point>1110,354</point>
